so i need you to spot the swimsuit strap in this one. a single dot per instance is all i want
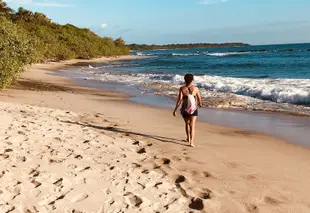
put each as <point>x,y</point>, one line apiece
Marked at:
<point>188,91</point>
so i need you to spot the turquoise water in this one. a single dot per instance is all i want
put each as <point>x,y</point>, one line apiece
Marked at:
<point>274,76</point>
<point>275,73</point>
<point>270,61</point>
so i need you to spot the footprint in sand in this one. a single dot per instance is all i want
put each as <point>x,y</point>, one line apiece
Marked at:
<point>76,211</point>
<point>251,177</point>
<point>205,194</point>
<point>8,150</point>
<point>251,208</point>
<point>4,156</point>
<point>136,165</point>
<point>133,200</point>
<point>180,179</point>
<point>79,157</point>
<point>232,165</point>
<point>21,133</point>
<point>145,171</point>
<point>58,182</point>
<point>271,201</point>
<point>123,156</point>
<point>141,150</point>
<point>57,139</point>
<point>51,200</point>
<point>158,184</point>
<point>21,159</point>
<point>72,166</point>
<point>206,174</point>
<point>36,183</point>
<point>165,161</point>
<point>125,174</point>
<point>142,186</point>
<point>6,208</point>
<point>86,141</point>
<point>79,198</point>
<point>136,143</point>
<point>196,204</point>
<point>82,169</point>
<point>31,209</point>
<point>155,166</point>
<point>195,173</point>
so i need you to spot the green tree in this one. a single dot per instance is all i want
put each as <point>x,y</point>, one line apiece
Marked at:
<point>5,10</point>
<point>16,50</point>
<point>27,37</point>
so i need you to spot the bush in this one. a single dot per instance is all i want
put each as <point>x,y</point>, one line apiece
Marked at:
<point>16,50</point>
<point>27,37</point>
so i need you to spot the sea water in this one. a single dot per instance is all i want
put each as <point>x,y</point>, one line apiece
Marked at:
<point>272,77</point>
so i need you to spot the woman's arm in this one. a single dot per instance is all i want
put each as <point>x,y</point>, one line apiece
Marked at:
<point>199,98</point>
<point>179,101</point>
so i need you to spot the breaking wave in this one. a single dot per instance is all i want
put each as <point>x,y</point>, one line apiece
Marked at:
<point>294,91</point>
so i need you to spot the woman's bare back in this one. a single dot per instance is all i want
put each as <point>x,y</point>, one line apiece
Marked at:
<point>192,89</point>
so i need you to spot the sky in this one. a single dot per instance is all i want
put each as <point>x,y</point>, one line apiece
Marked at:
<point>183,21</point>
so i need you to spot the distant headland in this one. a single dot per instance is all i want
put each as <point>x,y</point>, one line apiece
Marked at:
<point>184,46</point>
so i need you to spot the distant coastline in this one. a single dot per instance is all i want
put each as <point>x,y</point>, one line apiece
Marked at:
<point>184,46</point>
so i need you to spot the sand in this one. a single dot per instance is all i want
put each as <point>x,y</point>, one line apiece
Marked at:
<point>52,163</point>
<point>64,146</point>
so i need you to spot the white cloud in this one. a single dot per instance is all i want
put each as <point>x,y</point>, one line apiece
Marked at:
<point>104,26</point>
<point>213,1</point>
<point>42,3</point>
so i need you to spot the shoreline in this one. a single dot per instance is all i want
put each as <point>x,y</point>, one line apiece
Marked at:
<point>290,128</point>
<point>126,98</point>
<point>212,99</point>
<point>240,171</point>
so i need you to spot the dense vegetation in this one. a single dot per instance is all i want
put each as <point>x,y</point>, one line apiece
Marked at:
<point>27,37</point>
<point>182,46</point>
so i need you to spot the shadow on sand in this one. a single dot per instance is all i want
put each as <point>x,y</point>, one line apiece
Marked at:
<point>126,132</point>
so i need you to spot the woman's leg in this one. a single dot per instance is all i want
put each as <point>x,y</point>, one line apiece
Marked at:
<point>187,128</point>
<point>192,129</point>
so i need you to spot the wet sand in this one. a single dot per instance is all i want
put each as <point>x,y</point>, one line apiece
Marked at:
<point>291,128</point>
<point>231,170</point>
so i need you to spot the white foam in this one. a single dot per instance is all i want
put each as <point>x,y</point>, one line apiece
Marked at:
<point>225,54</point>
<point>183,54</point>
<point>216,54</point>
<point>220,54</point>
<point>295,91</point>
<point>143,54</point>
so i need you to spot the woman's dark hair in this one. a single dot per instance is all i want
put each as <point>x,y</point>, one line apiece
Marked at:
<point>188,78</point>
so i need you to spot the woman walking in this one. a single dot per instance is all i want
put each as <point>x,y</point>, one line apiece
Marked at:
<point>190,98</point>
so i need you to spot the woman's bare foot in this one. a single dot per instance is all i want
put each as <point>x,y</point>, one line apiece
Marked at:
<point>192,145</point>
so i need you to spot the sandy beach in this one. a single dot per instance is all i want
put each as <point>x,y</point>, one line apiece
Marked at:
<point>68,148</point>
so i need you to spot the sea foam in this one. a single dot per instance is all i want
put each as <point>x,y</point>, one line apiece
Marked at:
<point>294,91</point>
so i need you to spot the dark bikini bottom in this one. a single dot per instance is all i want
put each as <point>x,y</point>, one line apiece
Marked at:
<point>186,115</point>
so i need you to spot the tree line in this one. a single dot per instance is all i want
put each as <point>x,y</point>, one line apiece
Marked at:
<point>28,37</point>
<point>183,46</point>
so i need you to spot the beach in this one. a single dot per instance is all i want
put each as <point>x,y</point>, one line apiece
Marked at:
<point>264,78</point>
<point>69,148</point>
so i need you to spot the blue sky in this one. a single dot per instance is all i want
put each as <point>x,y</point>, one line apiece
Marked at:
<point>183,21</point>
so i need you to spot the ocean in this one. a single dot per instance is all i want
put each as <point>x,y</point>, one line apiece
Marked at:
<point>267,78</point>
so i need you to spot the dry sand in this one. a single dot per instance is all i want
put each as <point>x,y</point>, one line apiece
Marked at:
<point>52,163</point>
<point>67,147</point>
